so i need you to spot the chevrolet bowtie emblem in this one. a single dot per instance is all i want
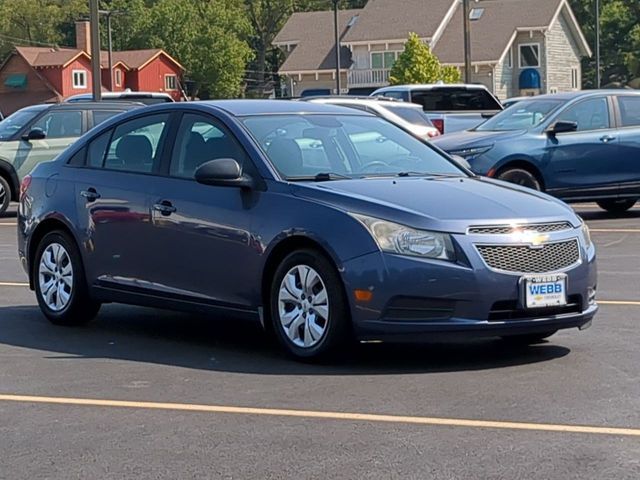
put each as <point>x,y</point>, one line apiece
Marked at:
<point>533,238</point>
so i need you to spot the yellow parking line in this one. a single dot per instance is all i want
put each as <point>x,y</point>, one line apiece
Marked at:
<point>8,224</point>
<point>315,414</point>
<point>13,284</point>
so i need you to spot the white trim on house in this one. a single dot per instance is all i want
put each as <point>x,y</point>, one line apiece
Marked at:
<point>174,78</point>
<point>443,25</point>
<point>381,42</point>
<point>532,44</point>
<point>82,74</point>
<point>576,26</point>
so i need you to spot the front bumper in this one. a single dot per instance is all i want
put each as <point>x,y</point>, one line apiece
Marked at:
<point>418,300</point>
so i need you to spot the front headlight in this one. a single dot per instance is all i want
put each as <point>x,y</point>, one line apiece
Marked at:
<point>395,238</point>
<point>586,234</point>
<point>471,151</point>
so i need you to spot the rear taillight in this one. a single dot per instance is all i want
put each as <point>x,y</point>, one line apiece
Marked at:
<point>439,124</point>
<point>26,181</point>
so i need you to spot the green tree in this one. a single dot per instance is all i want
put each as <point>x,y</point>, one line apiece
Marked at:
<point>266,18</point>
<point>38,22</point>
<point>417,64</point>
<point>207,37</point>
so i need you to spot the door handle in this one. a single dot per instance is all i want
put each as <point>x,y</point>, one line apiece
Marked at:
<point>164,207</point>
<point>607,139</point>
<point>90,194</point>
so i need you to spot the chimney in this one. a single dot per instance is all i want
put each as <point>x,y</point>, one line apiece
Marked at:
<point>83,36</point>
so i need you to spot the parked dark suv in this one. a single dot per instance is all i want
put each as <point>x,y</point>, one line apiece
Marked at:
<point>41,132</point>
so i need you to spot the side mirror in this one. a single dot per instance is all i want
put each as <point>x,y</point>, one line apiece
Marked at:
<point>223,172</point>
<point>562,126</point>
<point>35,134</point>
<point>461,161</point>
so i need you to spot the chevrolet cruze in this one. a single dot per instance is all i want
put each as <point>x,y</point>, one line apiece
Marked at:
<point>323,223</point>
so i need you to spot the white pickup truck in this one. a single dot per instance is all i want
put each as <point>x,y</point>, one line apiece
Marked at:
<point>450,107</point>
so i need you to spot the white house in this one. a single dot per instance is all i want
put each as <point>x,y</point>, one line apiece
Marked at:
<point>517,46</point>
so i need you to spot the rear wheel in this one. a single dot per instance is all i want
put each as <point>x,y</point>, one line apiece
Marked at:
<point>617,206</point>
<point>520,176</point>
<point>61,287</point>
<point>5,195</point>
<point>529,339</point>
<point>308,307</point>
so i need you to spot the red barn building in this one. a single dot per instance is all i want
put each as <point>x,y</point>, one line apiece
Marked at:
<point>40,74</point>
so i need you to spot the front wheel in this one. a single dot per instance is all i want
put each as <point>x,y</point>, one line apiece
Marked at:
<point>617,206</point>
<point>308,307</point>
<point>61,287</point>
<point>520,177</point>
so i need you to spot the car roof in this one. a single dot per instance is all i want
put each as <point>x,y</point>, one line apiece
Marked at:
<point>372,102</point>
<point>96,105</point>
<point>566,96</point>
<point>242,108</point>
<point>430,86</point>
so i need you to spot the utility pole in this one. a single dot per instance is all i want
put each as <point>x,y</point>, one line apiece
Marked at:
<point>467,41</point>
<point>598,80</point>
<point>95,50</point>
<point>337,42</point>
<point>108,14</point>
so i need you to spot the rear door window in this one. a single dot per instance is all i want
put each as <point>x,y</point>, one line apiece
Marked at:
<point>100,116</point>
<point>629,110</point>
<point>452,99</point>
<point>135,145</point>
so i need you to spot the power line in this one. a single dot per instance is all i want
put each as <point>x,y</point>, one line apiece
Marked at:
<point>26,40</point>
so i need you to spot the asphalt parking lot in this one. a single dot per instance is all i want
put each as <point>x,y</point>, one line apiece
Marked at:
<point>146,394</point>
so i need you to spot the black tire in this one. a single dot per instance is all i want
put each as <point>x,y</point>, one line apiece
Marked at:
<point>520,176</point>
<point>5,195</point>
<point>529,339</point>
<point>617,206</point>
<point>80,308</point>
<point>337,328</point>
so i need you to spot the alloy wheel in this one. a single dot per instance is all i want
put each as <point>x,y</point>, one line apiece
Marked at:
<point>55,277</point>
<point>303,306</point>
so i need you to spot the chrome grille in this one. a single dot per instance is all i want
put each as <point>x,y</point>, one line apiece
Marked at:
<point>550,257</point>
<point>507,229</point>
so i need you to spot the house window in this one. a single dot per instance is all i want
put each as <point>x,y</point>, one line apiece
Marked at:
<point>170,82</point>
<point>530,55</point>
<point>384,59</point>
<point>575,78</point>
<point>118,77</point>
<point>553,90</point>
<point>79,78</point>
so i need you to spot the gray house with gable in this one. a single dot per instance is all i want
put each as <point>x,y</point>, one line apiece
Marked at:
<point>518,47</point>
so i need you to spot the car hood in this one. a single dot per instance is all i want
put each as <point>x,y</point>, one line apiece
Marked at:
<point>472,138</point>
<point>450,204</point>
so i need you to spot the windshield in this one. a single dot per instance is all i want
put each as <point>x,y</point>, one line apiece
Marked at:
<point>414,116</point>
<point>522,115</point>
<point>13,123</point>
<point>326,147</point>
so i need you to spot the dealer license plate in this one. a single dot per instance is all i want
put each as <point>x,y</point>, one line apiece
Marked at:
<point>541,291</point>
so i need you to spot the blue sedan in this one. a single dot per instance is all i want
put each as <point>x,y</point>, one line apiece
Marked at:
<point>581,146</point>
<point>323,223</point>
